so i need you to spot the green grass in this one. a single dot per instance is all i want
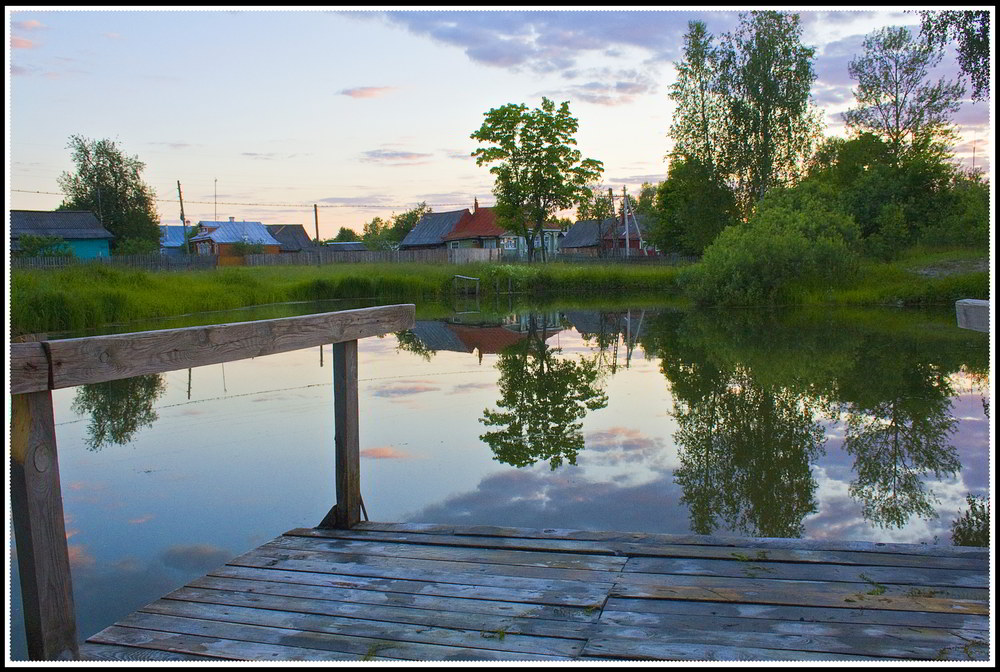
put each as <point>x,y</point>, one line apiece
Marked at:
<point>91,296</point>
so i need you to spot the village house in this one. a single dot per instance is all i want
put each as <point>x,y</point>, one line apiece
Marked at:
<point>349,246</point>
<point>219,238</point>
<point>480,230</point>
<point>429,232</point>
<point>592,237</point>
<point>79,230</point>
<point>172,239</point>
<point>292,237</point>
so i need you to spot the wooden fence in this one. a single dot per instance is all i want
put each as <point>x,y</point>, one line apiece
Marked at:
<point>147,262</point>
<point>37,368</point>
<point>434,256</point>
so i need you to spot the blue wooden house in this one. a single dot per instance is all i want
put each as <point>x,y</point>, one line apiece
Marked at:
<point>80,230</point>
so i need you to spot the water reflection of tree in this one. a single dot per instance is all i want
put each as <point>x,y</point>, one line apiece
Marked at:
<point>408,341</point>
<point>542,401</point>
<point>899,423</point>
<point>118,408</point>
<point>745,453</point>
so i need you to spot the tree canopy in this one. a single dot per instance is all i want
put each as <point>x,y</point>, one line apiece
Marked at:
<point>896,99</point>
<point>537,171</point>
<point>970,30</point>
<point>109,183</point>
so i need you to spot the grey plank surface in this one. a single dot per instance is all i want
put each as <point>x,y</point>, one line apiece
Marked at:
<point>431,592</point>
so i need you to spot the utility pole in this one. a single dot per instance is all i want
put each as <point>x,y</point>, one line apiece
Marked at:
<point>625,217</point>
<point>316,218</point>
<point>180,196</point>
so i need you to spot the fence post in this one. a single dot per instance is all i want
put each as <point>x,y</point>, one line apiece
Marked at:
<point>346,441</point>
<point>40,530</point>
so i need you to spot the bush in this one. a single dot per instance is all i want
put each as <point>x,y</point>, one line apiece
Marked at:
<point>43,246</point>
<point>891,234</point>
<point>972,528</point>
<point>136,246</point>
<point>795,238</point>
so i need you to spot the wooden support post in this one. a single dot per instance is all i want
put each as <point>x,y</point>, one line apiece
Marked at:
<point>345,414</point>
<point>40,531</point>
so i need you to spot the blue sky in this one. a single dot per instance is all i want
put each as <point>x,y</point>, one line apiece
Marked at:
<point>364,113</point>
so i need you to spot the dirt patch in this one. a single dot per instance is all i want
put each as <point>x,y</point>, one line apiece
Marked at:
<point>953,267</point>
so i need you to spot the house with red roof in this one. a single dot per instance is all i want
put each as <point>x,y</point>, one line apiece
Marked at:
<point>482,231</point>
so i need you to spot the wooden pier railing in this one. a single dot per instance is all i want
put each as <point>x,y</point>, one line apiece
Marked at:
<point>37,368</point>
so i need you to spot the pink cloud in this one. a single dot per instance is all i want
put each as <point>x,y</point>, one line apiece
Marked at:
<point>21,43</point>
<point>79,557</point>
<point>367,91</point>
<point>141,519</point>
<point>30,24</point>
<point>385,453</point>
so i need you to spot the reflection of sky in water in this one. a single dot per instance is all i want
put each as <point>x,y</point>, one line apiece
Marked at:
<point>250,456</point>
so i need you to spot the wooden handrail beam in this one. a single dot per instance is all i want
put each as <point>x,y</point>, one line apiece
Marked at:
<point>95,359</point>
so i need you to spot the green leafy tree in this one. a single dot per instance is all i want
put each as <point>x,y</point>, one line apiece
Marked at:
<point>346,235</point>
<point>118,408</point>
<point>699,121</point>
<point>404,222</point>
<point>43,246</point>
<point>646,205</point>
<point>537,171</point>
<point>109,183</point>
<point>595,203</point>
<point>972,528</point>
<point>377,234</point>
<point>896,99</point>
<point>543,399</point>
<point>136,246</point>
<point>765,78</point>
<point>970,31</point>
<point>691,208</point>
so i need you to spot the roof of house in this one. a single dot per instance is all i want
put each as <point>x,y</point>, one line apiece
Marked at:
<point>172,235</point>
<point>482,224</point>
<point>433,227</point>
<point>487,340</point>
<point>236,232</point>
<point>65,224</point>
<point>438,336</point>
<point>643,228</point>
<point>293,237</point>
<point>585,233</point>
<point>350,246</point>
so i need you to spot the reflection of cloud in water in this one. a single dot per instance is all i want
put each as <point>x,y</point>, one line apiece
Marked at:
<point>620,444</point>
<point>195,557</point>
<point>141,519</point>
<point>537,497</point>
<point>386,453</point>
<point>403,388</point>
<point>79,557</point>
<point>471,387</point>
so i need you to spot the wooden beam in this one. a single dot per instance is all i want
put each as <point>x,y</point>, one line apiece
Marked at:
<point>345,411</point>
<point>95,359</point>
<point>40,531</point>
<point>29,368</point>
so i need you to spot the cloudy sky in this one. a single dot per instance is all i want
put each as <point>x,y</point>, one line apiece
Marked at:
<point>262,113</point>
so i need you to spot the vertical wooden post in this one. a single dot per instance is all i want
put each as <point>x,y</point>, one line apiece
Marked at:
<point>345,417</point>
<point>40,531</point>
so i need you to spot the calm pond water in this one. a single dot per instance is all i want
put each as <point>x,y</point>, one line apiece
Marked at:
<point>848,425</point>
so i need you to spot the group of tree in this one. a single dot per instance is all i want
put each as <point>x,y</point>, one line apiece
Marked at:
<point>763,199</point>
<point>385,234</point>
<point>108,182</point>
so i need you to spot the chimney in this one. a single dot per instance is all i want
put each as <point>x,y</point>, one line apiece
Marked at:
<point>475,205</point>
<point>232,219</point>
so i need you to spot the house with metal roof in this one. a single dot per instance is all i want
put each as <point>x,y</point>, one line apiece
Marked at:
<point>585,236</point>
<point>636,240</point>
<point>172,238</point>
<point>430,231</point>
<point>293,237</point>
<point>218,238</point>
<point>80,230</point>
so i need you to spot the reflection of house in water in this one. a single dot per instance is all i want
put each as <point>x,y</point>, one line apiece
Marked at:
<point>483,339</point>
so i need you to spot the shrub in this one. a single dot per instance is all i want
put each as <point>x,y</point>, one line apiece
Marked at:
<point>972,528</point>
<point>43,246</point>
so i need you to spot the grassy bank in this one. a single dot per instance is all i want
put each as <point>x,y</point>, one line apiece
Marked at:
<point>90,296</point>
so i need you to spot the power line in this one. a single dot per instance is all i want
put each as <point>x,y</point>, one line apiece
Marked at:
<point>275,205</point>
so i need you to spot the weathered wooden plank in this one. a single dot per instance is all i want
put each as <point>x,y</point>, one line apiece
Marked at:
<point>933,637</point>
<point>113,652</point>
<point>639,649</point>
<point>557,591</point>
<point>791,643</point>
<point>603,563</point>
<point>319,641</point>
<point>657,539</point>
<point>651,547</point>
<point>94,359</point>
<point>348,458</point>
<point>29,368</point>
<point>36,510</point>
<point>807,593</point>
<point>277,615</point>
<point>925,578</point>
<point>446,571</point>
<point>215,647</point>
<point>452,597</point>
<point>796,613</point>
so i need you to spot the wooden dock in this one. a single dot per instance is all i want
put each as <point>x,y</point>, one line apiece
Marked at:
<point>444,593</point>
